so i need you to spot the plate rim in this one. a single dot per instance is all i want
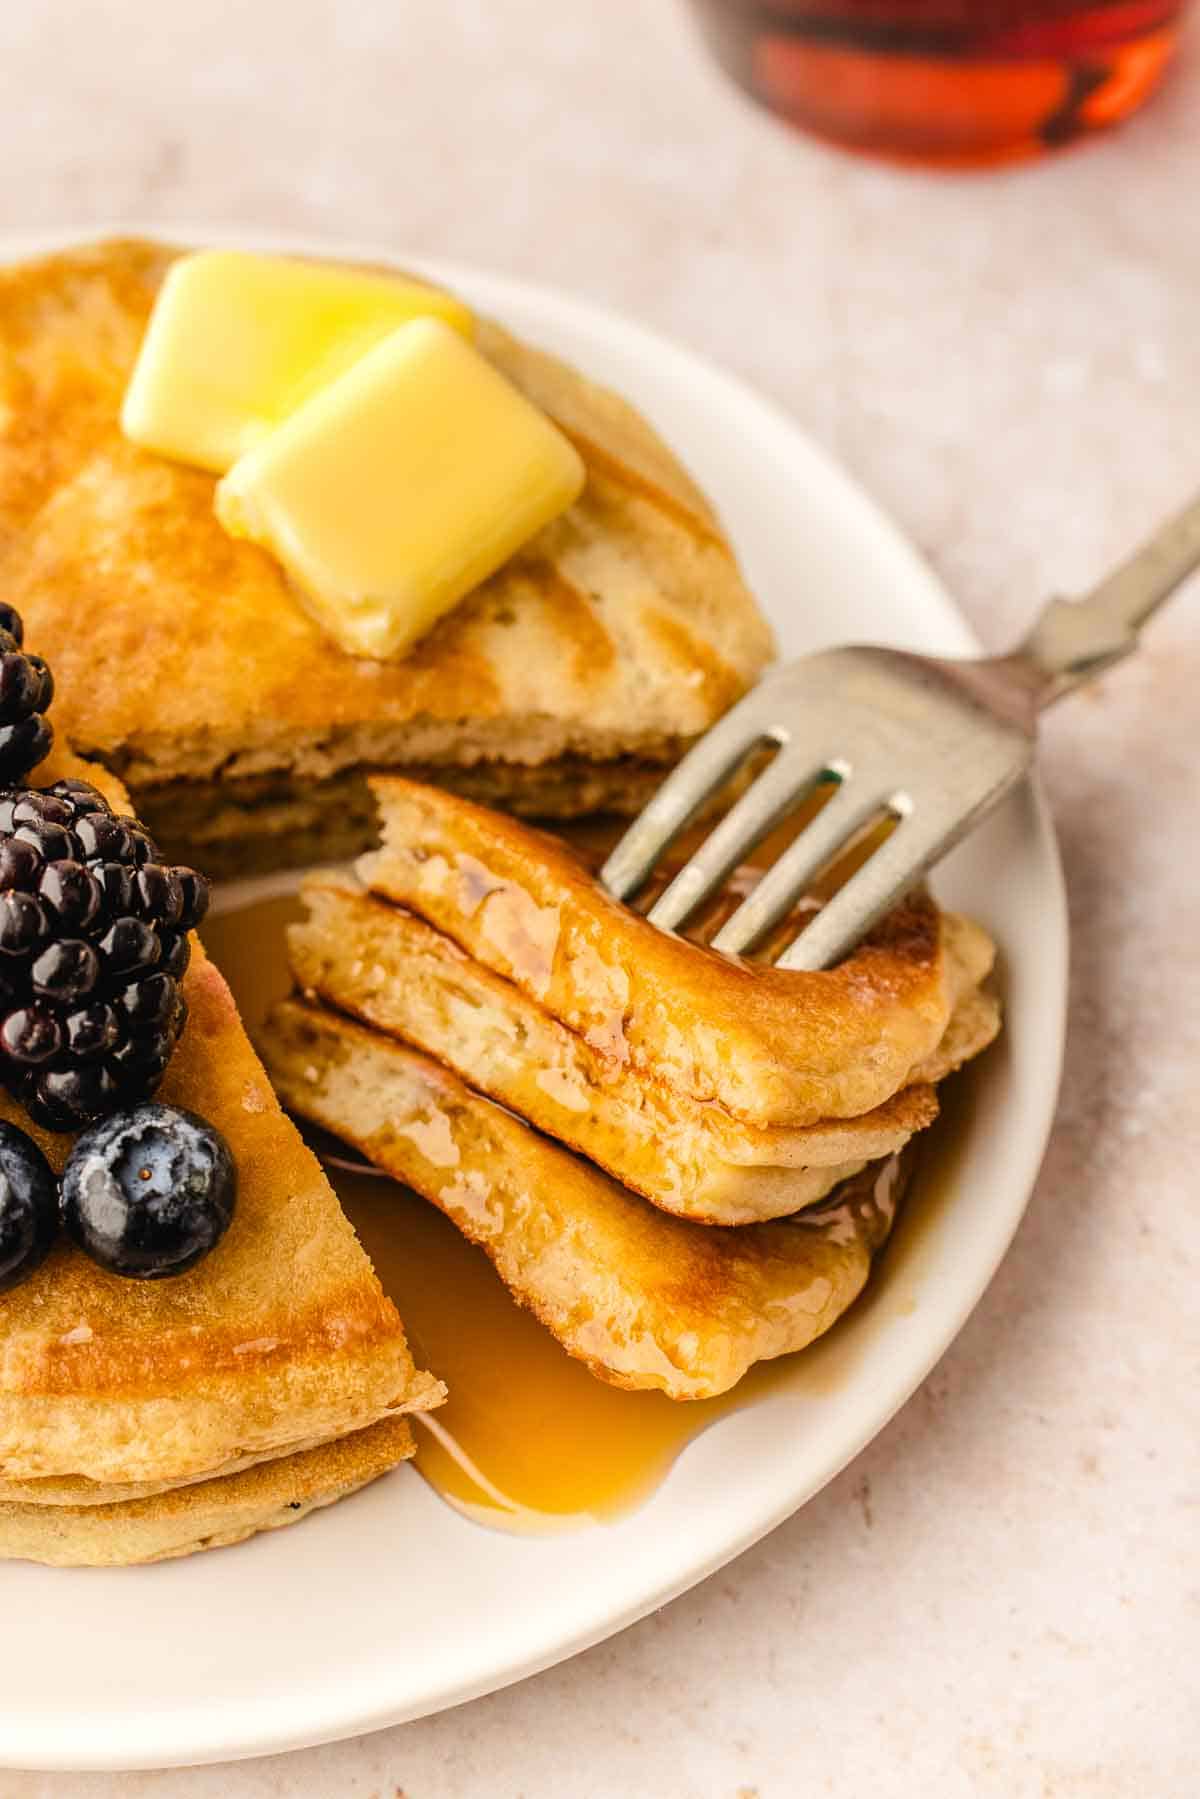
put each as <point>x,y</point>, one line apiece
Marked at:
<point>191,1735</point>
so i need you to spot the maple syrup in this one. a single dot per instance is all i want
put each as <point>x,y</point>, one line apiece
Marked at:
<point>528,1440</point>
<point>946,81</point>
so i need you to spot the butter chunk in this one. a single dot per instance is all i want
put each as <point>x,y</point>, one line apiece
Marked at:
<point>237,342</point>
<point>395,491</point>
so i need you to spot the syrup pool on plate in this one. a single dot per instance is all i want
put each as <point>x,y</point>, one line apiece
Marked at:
<point>528,1439</point>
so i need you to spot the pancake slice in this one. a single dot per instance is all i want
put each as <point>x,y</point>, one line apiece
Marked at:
<point>281,1336</point>
<point>772,1047</point>
<point>382,964</point>
<point>77,1490</point>
<point>209,1515</point>
<point>644,1299</point>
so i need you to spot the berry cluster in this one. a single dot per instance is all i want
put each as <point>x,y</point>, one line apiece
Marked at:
<point>146,1193</point>
<point>93,943</point>
<point>26,690</point>
<point>93,947</point>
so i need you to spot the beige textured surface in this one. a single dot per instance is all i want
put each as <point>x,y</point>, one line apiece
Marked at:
<point>999,1598</point>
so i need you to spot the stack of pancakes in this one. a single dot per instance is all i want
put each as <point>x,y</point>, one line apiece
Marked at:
<point>682,1162</point>
<point>144,1419</point>
<point>567,683</point>
<point>140,1420</point>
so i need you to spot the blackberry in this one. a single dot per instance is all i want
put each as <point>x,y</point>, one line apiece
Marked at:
<point>26,689</point>
<point>93,945</point>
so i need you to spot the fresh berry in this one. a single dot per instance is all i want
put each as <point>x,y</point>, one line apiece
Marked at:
<point>59,1097</point>
<point>30,1035</point>
<point>28,1206</point>
<point>92,1030</point>
<point>196,894</point>
<point>148,1192</point>
<point>93,945</point>
<point>72,892</point>
<point>23,924</point>
<point>176,954</point>
<point>26,689</point>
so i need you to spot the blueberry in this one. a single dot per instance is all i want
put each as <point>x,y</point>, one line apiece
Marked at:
<point>149,1191</point>
<point>28,1206</point>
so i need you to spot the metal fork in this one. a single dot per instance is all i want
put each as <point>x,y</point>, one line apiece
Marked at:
<point>930,743</point>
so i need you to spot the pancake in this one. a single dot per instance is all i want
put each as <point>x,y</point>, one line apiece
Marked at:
<point>565,683</point>
<point>77,1490</point>
<point>281,1336</point>
<point>644,1299</point>
<point>385,966</point>
<point>210,1515</point>
<point>772,1047</point>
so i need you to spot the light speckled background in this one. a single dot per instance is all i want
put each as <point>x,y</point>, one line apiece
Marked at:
<point>1002,1596</point>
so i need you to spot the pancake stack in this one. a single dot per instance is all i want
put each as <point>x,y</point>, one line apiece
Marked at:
<point>566,684</point>
<point>681,1162</point>
<point>145,1419</point>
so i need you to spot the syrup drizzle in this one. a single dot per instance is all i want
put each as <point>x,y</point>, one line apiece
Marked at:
<point>528,1441</point>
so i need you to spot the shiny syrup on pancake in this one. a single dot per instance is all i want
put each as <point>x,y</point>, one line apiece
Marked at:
<point>528,1439</point>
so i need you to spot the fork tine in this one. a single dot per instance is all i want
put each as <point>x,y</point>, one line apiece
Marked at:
<point>705,768</point>
<point>871,891</point>
<point>768,799</point>
<point>785,882</point>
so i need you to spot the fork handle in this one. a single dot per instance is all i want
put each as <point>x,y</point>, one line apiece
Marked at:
<point>1074,640</point>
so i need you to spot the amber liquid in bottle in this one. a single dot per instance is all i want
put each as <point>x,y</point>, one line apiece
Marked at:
<point>945,81</point>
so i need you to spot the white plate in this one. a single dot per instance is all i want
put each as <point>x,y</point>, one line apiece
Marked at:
<point>391,1605</point>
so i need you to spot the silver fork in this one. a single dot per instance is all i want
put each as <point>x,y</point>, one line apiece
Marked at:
<point>933,744</point>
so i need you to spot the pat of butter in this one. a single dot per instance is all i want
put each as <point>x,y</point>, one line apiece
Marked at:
<point>237,342</point>
<point>397,489</point>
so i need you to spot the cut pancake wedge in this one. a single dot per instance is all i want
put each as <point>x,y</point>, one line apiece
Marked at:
<point>281,1337</point>
<point>646,1300</point>
<point>773,1047</point>
<point>382,964</point>
<point>208,1515</point>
